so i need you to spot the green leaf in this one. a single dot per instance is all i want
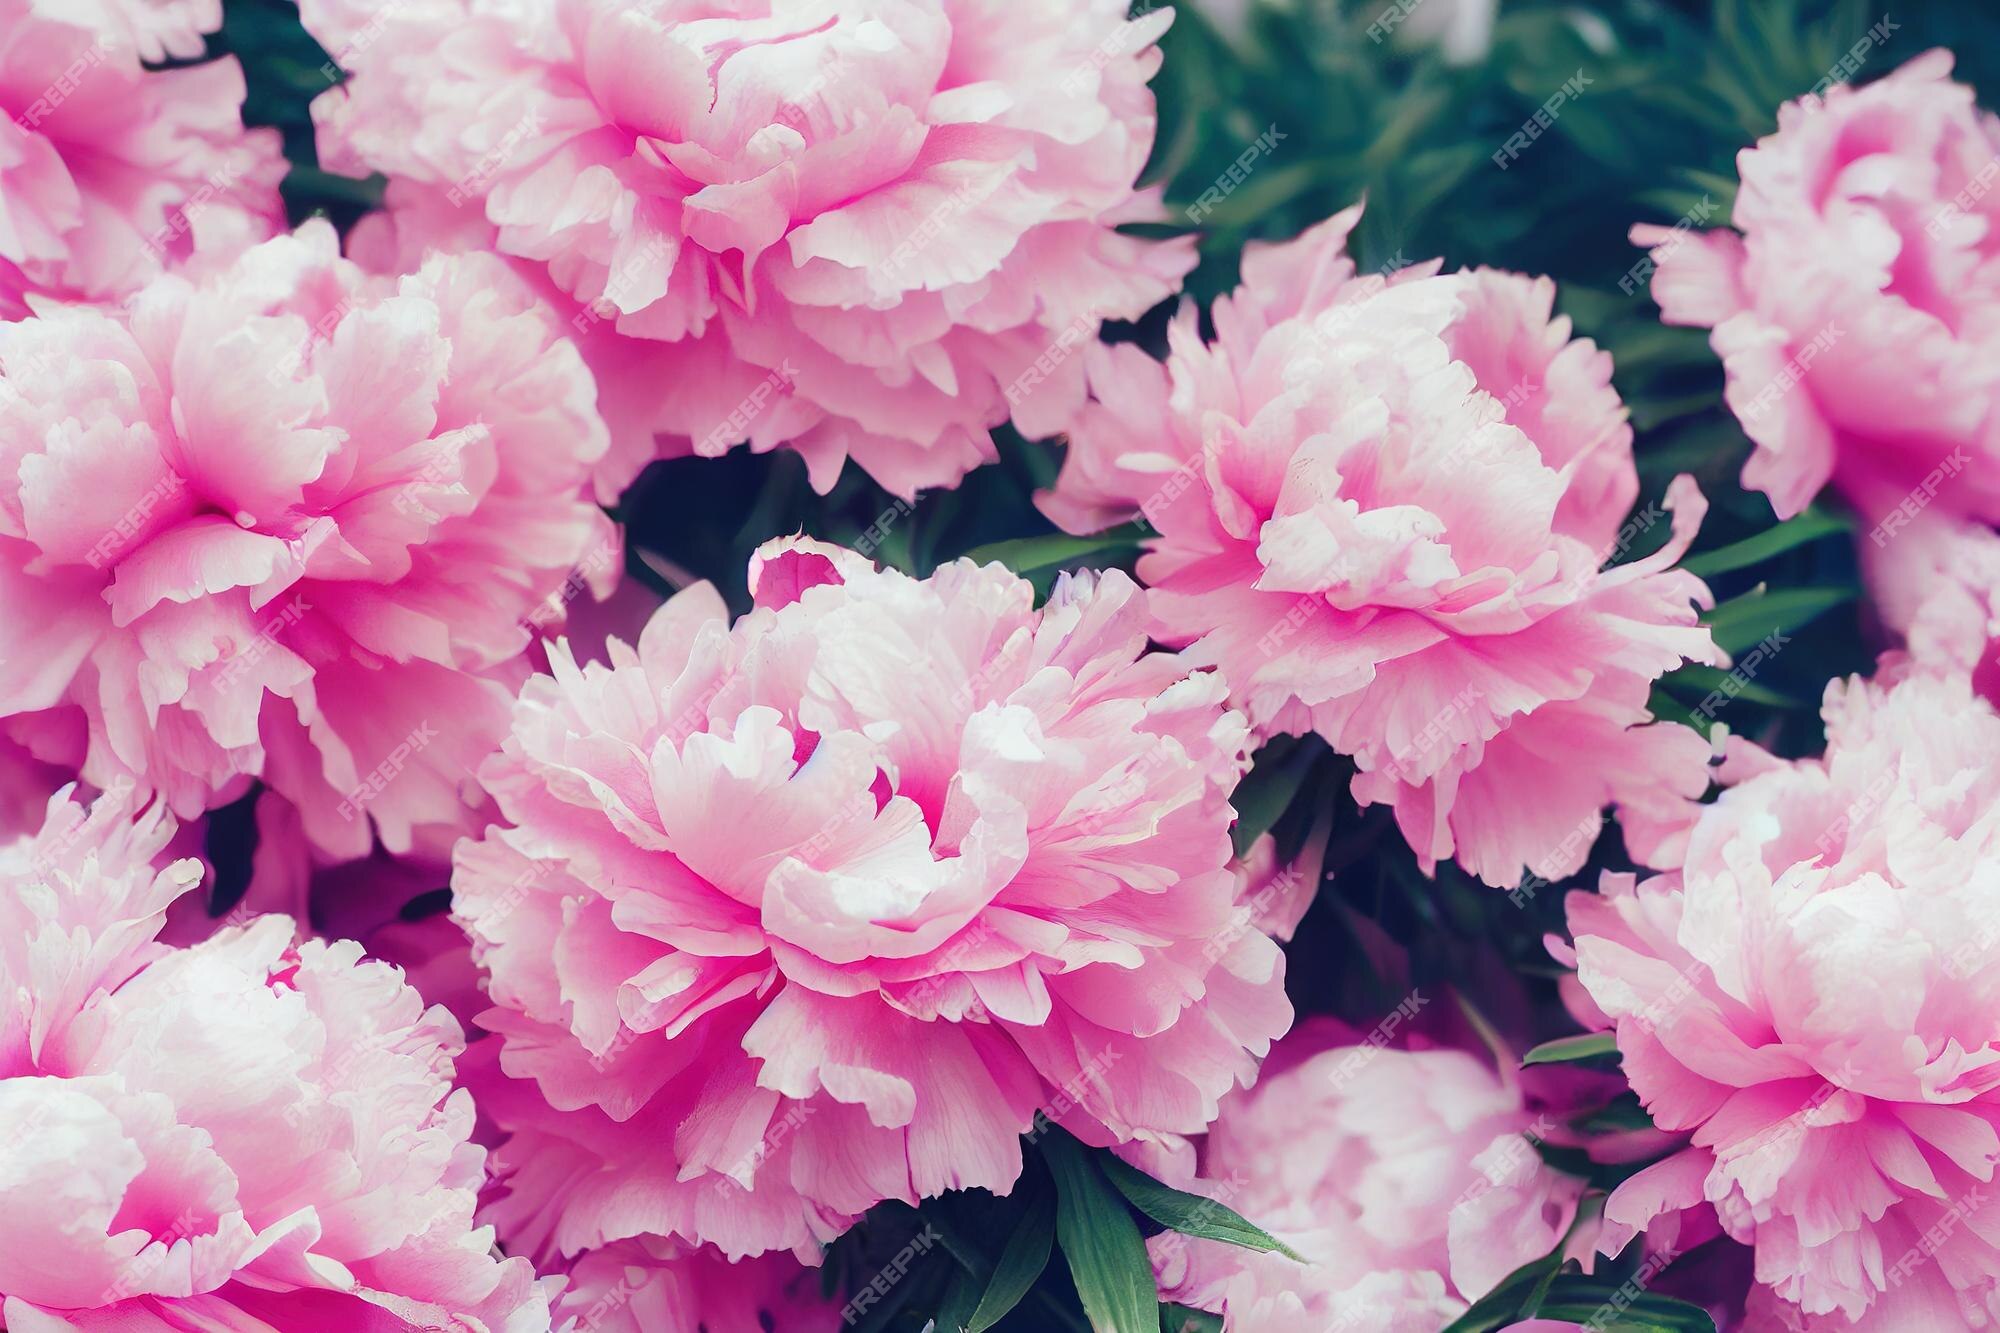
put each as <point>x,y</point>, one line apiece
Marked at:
<point>1578,1299</point>
<point>1569,1050</point>
<point>1026,554</point>
<point>1183,1319</point>
<point>1669,709</point>
<point>1742,622</point>
<point>1699,680</point>
<point>1267,791</point>
<point>961,1294</point>
<point>1026,1255</point>
<point>1107,1256</point>
<point>1809,526</point>
<point>1503,1305</point>
<point>1189,1214</point>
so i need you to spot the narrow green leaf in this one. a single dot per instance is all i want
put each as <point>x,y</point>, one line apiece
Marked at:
<point>1189,1214</point>
<point>1024,555</point>
<point>1809,526</point>
<point>1569,1050</point>
<point>1182,1319</point>
<point>1021,1262</point>
<point>1268,789</point>
<point>1742,622</point>
<point>1502,1305</point>
<point>1578,1299</point>
<point>1669,709</point>
<point>1107,1256</point>
<point>961,1295</point>
<point>1700,681</point>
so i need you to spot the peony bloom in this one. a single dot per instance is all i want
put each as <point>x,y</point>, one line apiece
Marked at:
<point>1382,505</point>
<point>651,1286</point>
<point>788,919</point>
<point>1937,585</point>
<point>867,231</point>
<point>292,522</point>
<point>26,783</point>
<point>1813,998</point>
<point>1856,306</point>
<point>109,171</point>
<point>1407,1180</point>
<point>417,223</point>
<point>245,1134</point>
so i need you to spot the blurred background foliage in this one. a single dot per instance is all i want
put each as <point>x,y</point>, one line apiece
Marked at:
<point>1368,108</point>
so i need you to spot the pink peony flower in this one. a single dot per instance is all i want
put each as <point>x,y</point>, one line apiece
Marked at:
<point>292,522</point>
<point>1382,505</point>
<point>1937,586</point>
<point>1407,1180</point>
<point>645,1286</point>
<point>26,783</point>
<point>109,171</point>
<point>245,1134</point>
<point>1856,306</point>
<point>1812,997</point>
<point>788,919</point>
<point>418,223</point>
<point>869,231</point>
<point>168,29</point>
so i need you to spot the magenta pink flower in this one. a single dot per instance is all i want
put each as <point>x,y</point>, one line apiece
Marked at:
<point>245,1134</point>
<point>1382,506</point>
<point>26,783</point>
<point>1813,998</point>
<point>1856,304</point>
<point>292,522</point>
<point>870,233</point>
<point>792,918</point>
<point>651,1286</point>
<point>109,172</point>
<point>1407,1180</point>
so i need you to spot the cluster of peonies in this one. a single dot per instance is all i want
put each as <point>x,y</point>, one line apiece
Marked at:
<point>767,923</point>
<point>250,1133</point>
<point>1383,508</point>
<point>870,231</point>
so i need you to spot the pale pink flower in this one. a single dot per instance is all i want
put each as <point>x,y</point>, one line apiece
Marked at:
<point>109,171</point>
<point>870,230</point>
<point>1408,1181</point>
<point>1382,505</point>
<point>417,223</point>
<point>788,919</point>
<point>655,1286</point>
<point>293,522</point>
<point>1813,998</point>
<point>1937,586</point>
<point>1857,303</point>
<point>244,1134</point>
<point>165,29</point>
